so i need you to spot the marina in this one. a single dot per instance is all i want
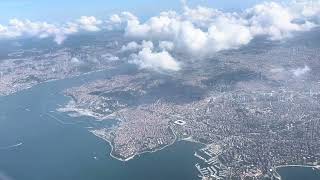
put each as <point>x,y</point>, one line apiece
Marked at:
<point>211,167</point>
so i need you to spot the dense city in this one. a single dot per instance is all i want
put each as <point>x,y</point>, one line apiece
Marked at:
<point>250,120</point>
<point>252,110</point>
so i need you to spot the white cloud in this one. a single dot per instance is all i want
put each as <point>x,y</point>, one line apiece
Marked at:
<point>199,31</point>
<point>274,20</point>
<point>147,58</point>
<point>224,33</point>
<point>75,60</point>
<point>202,31</point>
<point>133,46</point>
<point>301,71</point>
<point>119,21</point>
<point>110,57</point>
<point>89,23</point>
<point>166,45</point>
<point>227,33</point>
<point>25,28</point>
<point>202,16</point>
<point>280,73</point>
<point>307,9</point>
<point>17,28</point>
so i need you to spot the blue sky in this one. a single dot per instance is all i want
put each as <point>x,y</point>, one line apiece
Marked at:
<point>63,10</point>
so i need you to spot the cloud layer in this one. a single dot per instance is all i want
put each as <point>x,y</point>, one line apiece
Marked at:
<point>198,32</point>
<point>25,28</point>
<point>203,31</point>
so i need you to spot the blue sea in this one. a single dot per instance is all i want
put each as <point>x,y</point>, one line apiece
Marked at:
<point>35,146</point>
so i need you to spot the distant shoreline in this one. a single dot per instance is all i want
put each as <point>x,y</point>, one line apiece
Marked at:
<point>51,80</point>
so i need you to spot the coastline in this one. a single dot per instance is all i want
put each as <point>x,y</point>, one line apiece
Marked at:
<point>190,139</point>
<point>100,118</point>
<point>48,81</point>
<point>306,166</point>
<point>82,112</point>
<point>278,176</point>
<point>137,154</point>
<point>71,107</point>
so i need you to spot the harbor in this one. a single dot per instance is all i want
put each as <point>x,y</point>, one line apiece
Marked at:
<point>210,165</point>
